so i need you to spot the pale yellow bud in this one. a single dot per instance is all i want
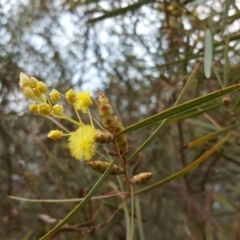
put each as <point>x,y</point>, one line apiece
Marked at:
<point>24,80</point>
<point>30,94</point>
<point>55,95</point>
<point>103,137</point>
<point>44,109</point>
<point>141,178</point>
<point>33,82</point>
<point>33,108</point>
<point>41,87</point>
<point>58,110</point>
<point>71,96</point>
<point>55,134</point>
<point>101,166</point>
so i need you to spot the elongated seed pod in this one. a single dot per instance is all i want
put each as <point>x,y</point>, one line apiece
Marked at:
<point>121,141</point>
<point>106,113</point>
<point>101,166</point>
<point>141,178</point>
<point>103,137</point>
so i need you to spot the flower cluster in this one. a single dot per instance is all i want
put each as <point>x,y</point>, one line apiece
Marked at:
<point>82,142</point>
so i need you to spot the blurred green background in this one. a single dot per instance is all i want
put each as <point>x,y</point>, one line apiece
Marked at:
<point>139,53</point>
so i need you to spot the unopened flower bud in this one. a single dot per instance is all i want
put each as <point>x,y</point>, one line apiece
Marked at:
<point>55,95</point>
<point>41,87</point>
<point>101,166</point>
<point>71,96</point>
<point>121,141</point>
<point>34,108</point>
<point>58,110</point>
<point>33,82</point>
<point>44,109</point>
<point>104,137</point>
<point>24,80</point>
<point>55,134</point>
<point>106,113</point>
<point>141,178</point>
<point>30,94</point>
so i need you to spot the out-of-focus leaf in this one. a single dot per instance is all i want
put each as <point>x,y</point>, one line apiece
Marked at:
<point>233,188</point>
<point>225,202</point>
<point>230,159</point>
<point>210,136</point>
<point>139,219</point>
<point>217,75</point>
<point>208,53</point>
<point>198,2</point>
<point>226,63</point>
<point>120,11</point>
<point>225,15</point>
<point>209,232</point>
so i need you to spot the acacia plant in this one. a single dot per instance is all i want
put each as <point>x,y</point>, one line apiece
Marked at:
<point>82,142</point>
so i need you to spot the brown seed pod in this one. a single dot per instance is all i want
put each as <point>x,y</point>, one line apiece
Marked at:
<point>141,178</point>
<point>106,113</point>
<point>104,137</point>
<point>101,166</point>
<point>121,141</point>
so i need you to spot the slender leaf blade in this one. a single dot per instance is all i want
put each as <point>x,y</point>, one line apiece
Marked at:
<point>81,204</point>
<point>188,168</point>
<point>210,136</point>
<point>139,219</point>
<point>208,53</point>
<point>194,113</point>
<point>164,123</point>
<point>181,108</point>
<point>120,11</point>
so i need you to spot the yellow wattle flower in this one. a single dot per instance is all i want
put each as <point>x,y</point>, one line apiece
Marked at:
<point>55,95</point>
<point>33,108</point>
<point>83,101</point>
<point>71,96</point>
<point>81,143</point>
<point>44,109</point>
<point>42,87</point>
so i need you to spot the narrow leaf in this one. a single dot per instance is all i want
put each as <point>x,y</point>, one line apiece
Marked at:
<point>139,219</point>
<point>209,232</point>
<point>181,108</point>
<point>81,204</point>
<point>210,136</point>
<point>225,202</point>
<point>225,15</point>
<point>215,70</point>
<point>120,11</point>
<point>208,53</point>
<point>226,66</point>
<point>186,169</point>
<point>164,123</point>
<point>194,113</point>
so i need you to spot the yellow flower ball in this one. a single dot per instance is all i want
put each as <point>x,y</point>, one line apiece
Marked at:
<point>83,101</point>
<point>81,143</point>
